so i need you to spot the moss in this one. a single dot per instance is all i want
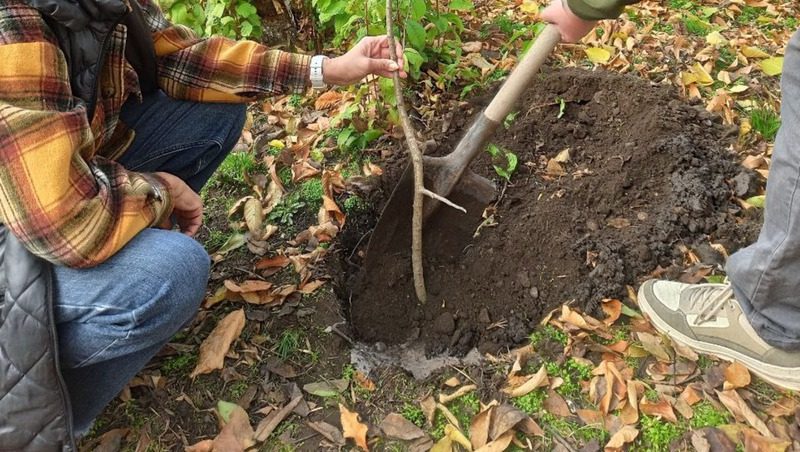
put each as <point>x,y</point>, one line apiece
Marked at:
<point>179,365</point>
<point>705,415</point>
<point>414,414</point>
<point>548,333</point>
<point>310,192</point>
<point>531,403</point>
<point>656,434</point>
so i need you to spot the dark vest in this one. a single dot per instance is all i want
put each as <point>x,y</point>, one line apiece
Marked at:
<point>34,406</point>
<point>83,29</point>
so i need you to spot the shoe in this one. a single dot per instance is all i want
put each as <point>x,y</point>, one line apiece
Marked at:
<point>708,319</point>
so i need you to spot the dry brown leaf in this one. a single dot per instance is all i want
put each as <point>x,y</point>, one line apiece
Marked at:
<point>447,398</point>
<point>479,428</point>
<point>753,442</point>
<point>352,427</point>
<point>455,434</point>
<point>428,405</point>
<point>736,376</point>
<point>216,345</point>
<point>111,441</point>
<point>504,419</point>
<point>269,423</point>
<point>219,296</point>
<point>278,261</point>
<point>328,431</point>
<point>654,346</point>
<point>327,99</point>
<point>613,309</point>
<point>538,380</point>
<point>690,395</point>
<point>237,434</point>
<point>452,382</point>
<point>364,382</point>
<point>554,168</point>
<point>555,404</point>
<point>206,445</point>
<point>741,411</point>
<point>311,286</point>
<point>662,409</point>
<point>592,418</point>
<point>253,216</point>
<point>622,437</point>
<point>302,170</point>
<point>498,445</point>
<point>783,407</point>
<point>396,426</point>
<point>249,286</point>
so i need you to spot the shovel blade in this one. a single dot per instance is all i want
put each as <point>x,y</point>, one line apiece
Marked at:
<point>446,231</point>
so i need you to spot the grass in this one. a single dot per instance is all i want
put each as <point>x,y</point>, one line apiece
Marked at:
<point>531,403</point>
<point>235,165</point>
<point>414,414</point>
<point>548,333</point>
<point>572,372</point>
<point>179,365</point>
<point>310,193</point>
<point>750,15</point>
<point>656,434</point>
<point>355,204</point>
<point>289,344</point>
<point>705,415</point>
<point>766,122</point>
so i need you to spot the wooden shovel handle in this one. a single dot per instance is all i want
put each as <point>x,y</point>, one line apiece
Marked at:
<point>521,76</point>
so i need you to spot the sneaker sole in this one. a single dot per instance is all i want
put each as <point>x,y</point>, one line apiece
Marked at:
<point>780,376</point>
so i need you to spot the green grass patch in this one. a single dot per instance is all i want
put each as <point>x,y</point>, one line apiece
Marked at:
<point>310,193</point>
<point>657,434</point>
<point>355,204</point>
<point>705,415</point>
<point>414,414</point>
<point>179,365</point>
<point>288,344</point>
<point>766,122</point>
<point>235,165</point>
<point>572,372</point>
<point>548,333</point>
<point>531,403</point>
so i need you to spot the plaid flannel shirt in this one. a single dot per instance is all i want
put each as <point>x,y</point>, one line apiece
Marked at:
<point>61,191</point>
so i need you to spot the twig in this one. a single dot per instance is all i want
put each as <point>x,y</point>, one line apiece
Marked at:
<point>433,195</point>
<point>416,161</point>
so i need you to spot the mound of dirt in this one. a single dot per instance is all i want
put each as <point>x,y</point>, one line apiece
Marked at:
<point>647,172</point>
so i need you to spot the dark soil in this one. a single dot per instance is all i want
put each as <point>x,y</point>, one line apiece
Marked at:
<point>648,173</point>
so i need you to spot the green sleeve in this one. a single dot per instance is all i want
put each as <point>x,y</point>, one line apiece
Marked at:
<point>598,9</point>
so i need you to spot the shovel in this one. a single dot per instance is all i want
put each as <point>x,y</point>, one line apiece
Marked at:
<point>447,230</point>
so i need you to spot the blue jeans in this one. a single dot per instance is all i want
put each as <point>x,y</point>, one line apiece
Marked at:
<point>111,319</point>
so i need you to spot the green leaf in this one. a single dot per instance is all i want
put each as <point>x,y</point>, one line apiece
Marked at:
<point>246,29</point>
<point>493,150</point>
<point>233,242</point>
<point>630,312</point>
<point>245,9</point>
<point>416,34</point>
<point>462,5</point>
<point>418,8</point>
<point>512,162</point>
<point>218,10</point>
<point>715,279</point>
<point>413,61</point>
<point>330,388</point>
<point>225,409</point>
<point>757,201</point>
<point>344,136</point>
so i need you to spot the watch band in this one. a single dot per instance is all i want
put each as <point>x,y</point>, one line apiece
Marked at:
<point>317,81</point>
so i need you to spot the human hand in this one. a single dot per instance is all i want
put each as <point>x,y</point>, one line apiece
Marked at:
<point>572,27</point>
<point>187,208</point>
<point>369,56</point>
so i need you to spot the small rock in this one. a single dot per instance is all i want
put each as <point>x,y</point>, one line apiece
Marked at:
<point>380,347</point>
<point>483,316</point>
<point>534,292</point>
<point>524,279</point>
<point>444,324</point>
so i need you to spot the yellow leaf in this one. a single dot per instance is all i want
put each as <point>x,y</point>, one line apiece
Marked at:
<point>529,7</point>
<point>278,144</point>
<point>716,39</point>
<point>352,428</point>
<point>754,52</point>
<point>772,66</point>
<point>703,76</point>
<point>738,89</point>
<point>598,55</point>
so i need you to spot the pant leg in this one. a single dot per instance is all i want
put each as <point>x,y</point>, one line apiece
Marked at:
<point>766,275</point>
<point>111,319</point>
<point>187,139</point>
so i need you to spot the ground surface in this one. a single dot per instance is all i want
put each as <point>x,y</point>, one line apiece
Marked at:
<point>663,177</point>
<point>646,173</point>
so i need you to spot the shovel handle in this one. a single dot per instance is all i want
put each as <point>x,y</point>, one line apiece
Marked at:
<point>482,129</point>
<point>520,77</point>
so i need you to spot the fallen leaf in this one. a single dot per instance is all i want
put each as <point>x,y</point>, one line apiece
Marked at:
<point>253,216</point>
<point>452,382</point>
<point>447,398</point>
<point>237,433</point>
<point>613,309</point>
<point>555,404</point>
<point>736,376</point>
<point>472,46</point>
<point>597,55</point>
<point>783,407</point>
<point>479,428</point>
<point>352,427</point>
<point>498,445</point>
<point>653,345</point>
<point>563,156</point>
<point>754,52</point>
<point>278,261</point>
<point>327,100</point>
<point>623,436</point>
<point>662,409</point>
<point>206,445</point>
<point>619,223</point>
<point>216,345</point>
<point>455,434</point>
<point>269,423</point>
<point>111,441</point>
<point>741,411</point>
<point>364,382</point>
<point>396,426</point>
<point>772,66</point>
<point>753,442</point>
<point>505,418</point>
<point>538,380</point>
<point>329,388</point>
<point>328,431</point>
<point>554,168</point>
<point>428,405</point>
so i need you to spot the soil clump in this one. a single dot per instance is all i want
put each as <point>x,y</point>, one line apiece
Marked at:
<point>647,174</point>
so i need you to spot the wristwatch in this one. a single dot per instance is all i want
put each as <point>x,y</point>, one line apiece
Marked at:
<point>316,72</point>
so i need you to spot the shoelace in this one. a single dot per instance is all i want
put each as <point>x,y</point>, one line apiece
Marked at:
<point>719,296</point>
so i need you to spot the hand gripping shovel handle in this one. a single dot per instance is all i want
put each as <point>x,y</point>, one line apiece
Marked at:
<point>505,99</point>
